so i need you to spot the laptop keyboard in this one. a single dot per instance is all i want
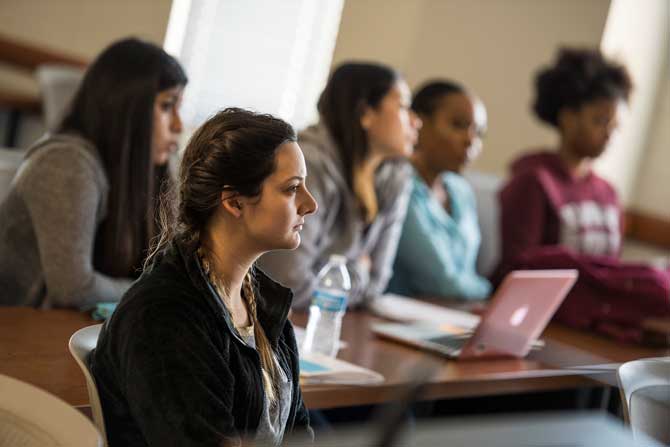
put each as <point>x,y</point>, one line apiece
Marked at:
<point>451,342</point>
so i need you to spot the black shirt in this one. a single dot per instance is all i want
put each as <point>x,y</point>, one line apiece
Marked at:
<point>171,370</point>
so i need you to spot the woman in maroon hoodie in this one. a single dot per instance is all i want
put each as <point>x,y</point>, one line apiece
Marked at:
<point>557,213</point>
<point>554,197</point>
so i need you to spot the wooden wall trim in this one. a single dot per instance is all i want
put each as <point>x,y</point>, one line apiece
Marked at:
<point>28,57</point>
<point>648,228</point>
<point>24,102</point>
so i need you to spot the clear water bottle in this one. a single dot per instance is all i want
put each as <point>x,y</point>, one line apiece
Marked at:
<point>329,303</point>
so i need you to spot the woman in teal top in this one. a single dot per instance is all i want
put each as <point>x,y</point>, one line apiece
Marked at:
<point>438,248</point>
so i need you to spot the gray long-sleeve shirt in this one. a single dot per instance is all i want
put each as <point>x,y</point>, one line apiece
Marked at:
<point>48,223</point>
<point>338,227</point>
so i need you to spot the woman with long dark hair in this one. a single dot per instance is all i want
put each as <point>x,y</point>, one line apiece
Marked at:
<point>200,351</point>
<point>76,225</point>
<point>366,126</point>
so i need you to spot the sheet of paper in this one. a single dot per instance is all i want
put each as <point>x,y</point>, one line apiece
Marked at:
<point>317,368</point>
<point>401,308</point>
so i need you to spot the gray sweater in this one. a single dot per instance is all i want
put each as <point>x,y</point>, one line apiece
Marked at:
<point>339,227</point>
<point>48,223</point>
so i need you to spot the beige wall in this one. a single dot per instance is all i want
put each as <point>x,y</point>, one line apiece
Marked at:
<point>638,37</point>
<point>492,46</point>
<point>652,192</point>
<point>78,27</point>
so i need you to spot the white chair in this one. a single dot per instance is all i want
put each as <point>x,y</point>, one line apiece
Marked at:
<point>58,84</point>
<point>643,412</point>
<point>486,187</point>
<point>10,159</point>
<point>81,344</point>
<point>31,417</point>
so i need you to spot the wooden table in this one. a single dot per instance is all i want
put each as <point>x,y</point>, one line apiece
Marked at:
<point>545,370</point>
<point>33,348</point>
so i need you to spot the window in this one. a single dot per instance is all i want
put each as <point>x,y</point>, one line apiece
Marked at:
<point>265,55</point>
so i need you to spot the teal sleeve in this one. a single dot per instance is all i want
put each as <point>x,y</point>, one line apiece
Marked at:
<point>428,261</point>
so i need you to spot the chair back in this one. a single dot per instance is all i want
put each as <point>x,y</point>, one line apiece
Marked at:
<point>10,159</point>
<point>81,344</point>
<point>31,417</point>
<point>646,413</point>
<point>58,84</point>
<point>486,187</point>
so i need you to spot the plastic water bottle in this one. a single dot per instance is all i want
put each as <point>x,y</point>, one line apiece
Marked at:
<point>329,303</point>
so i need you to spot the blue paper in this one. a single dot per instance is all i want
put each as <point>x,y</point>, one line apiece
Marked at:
<point>103,311</point>
<point>311,367</point>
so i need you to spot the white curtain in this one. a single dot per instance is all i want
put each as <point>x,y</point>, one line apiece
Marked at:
<point>271,56</point>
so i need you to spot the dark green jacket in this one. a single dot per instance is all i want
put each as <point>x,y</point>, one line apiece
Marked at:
<point>170,369</point>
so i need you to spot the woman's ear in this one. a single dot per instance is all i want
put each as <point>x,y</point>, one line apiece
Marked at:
<point>367,117</point>
<point>426,119</point>
<point>566,118</point>
<point>231,204</point>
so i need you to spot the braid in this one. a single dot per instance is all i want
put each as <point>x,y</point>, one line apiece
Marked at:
<point>192,236</point>
<point>172,221</point>
<point>268,366</point>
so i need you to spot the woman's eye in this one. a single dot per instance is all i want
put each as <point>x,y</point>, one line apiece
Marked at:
<point>294,188</point>
<point>167,106</point>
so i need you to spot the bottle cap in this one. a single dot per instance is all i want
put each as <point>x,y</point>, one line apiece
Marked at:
<point>337,259</point>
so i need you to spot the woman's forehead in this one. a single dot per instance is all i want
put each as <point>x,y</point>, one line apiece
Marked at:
<point>289,161</point>
<point>457,102</point>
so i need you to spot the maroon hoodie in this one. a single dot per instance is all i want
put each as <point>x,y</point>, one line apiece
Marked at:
<point>551,219</point>
<point>544,204</point>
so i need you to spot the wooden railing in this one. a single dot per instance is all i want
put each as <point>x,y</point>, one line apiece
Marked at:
<point>647,228</point>
<point>27,57</point>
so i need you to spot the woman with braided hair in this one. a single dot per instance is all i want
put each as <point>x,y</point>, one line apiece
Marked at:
<point>200,351</point>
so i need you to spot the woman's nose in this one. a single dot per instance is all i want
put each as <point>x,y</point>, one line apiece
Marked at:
<point>177,124</point>
<point>416,121</point>
<point>310,206</point>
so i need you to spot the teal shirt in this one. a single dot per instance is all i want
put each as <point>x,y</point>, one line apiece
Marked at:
<point>437,253</point>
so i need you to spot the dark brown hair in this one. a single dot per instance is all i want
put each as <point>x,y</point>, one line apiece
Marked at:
<point>233,150</point>
<point>352,87</point>
<point>113,109</point>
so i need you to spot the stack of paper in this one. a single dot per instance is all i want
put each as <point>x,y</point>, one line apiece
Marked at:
<point>400,308</point>
<point>320,369</point>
